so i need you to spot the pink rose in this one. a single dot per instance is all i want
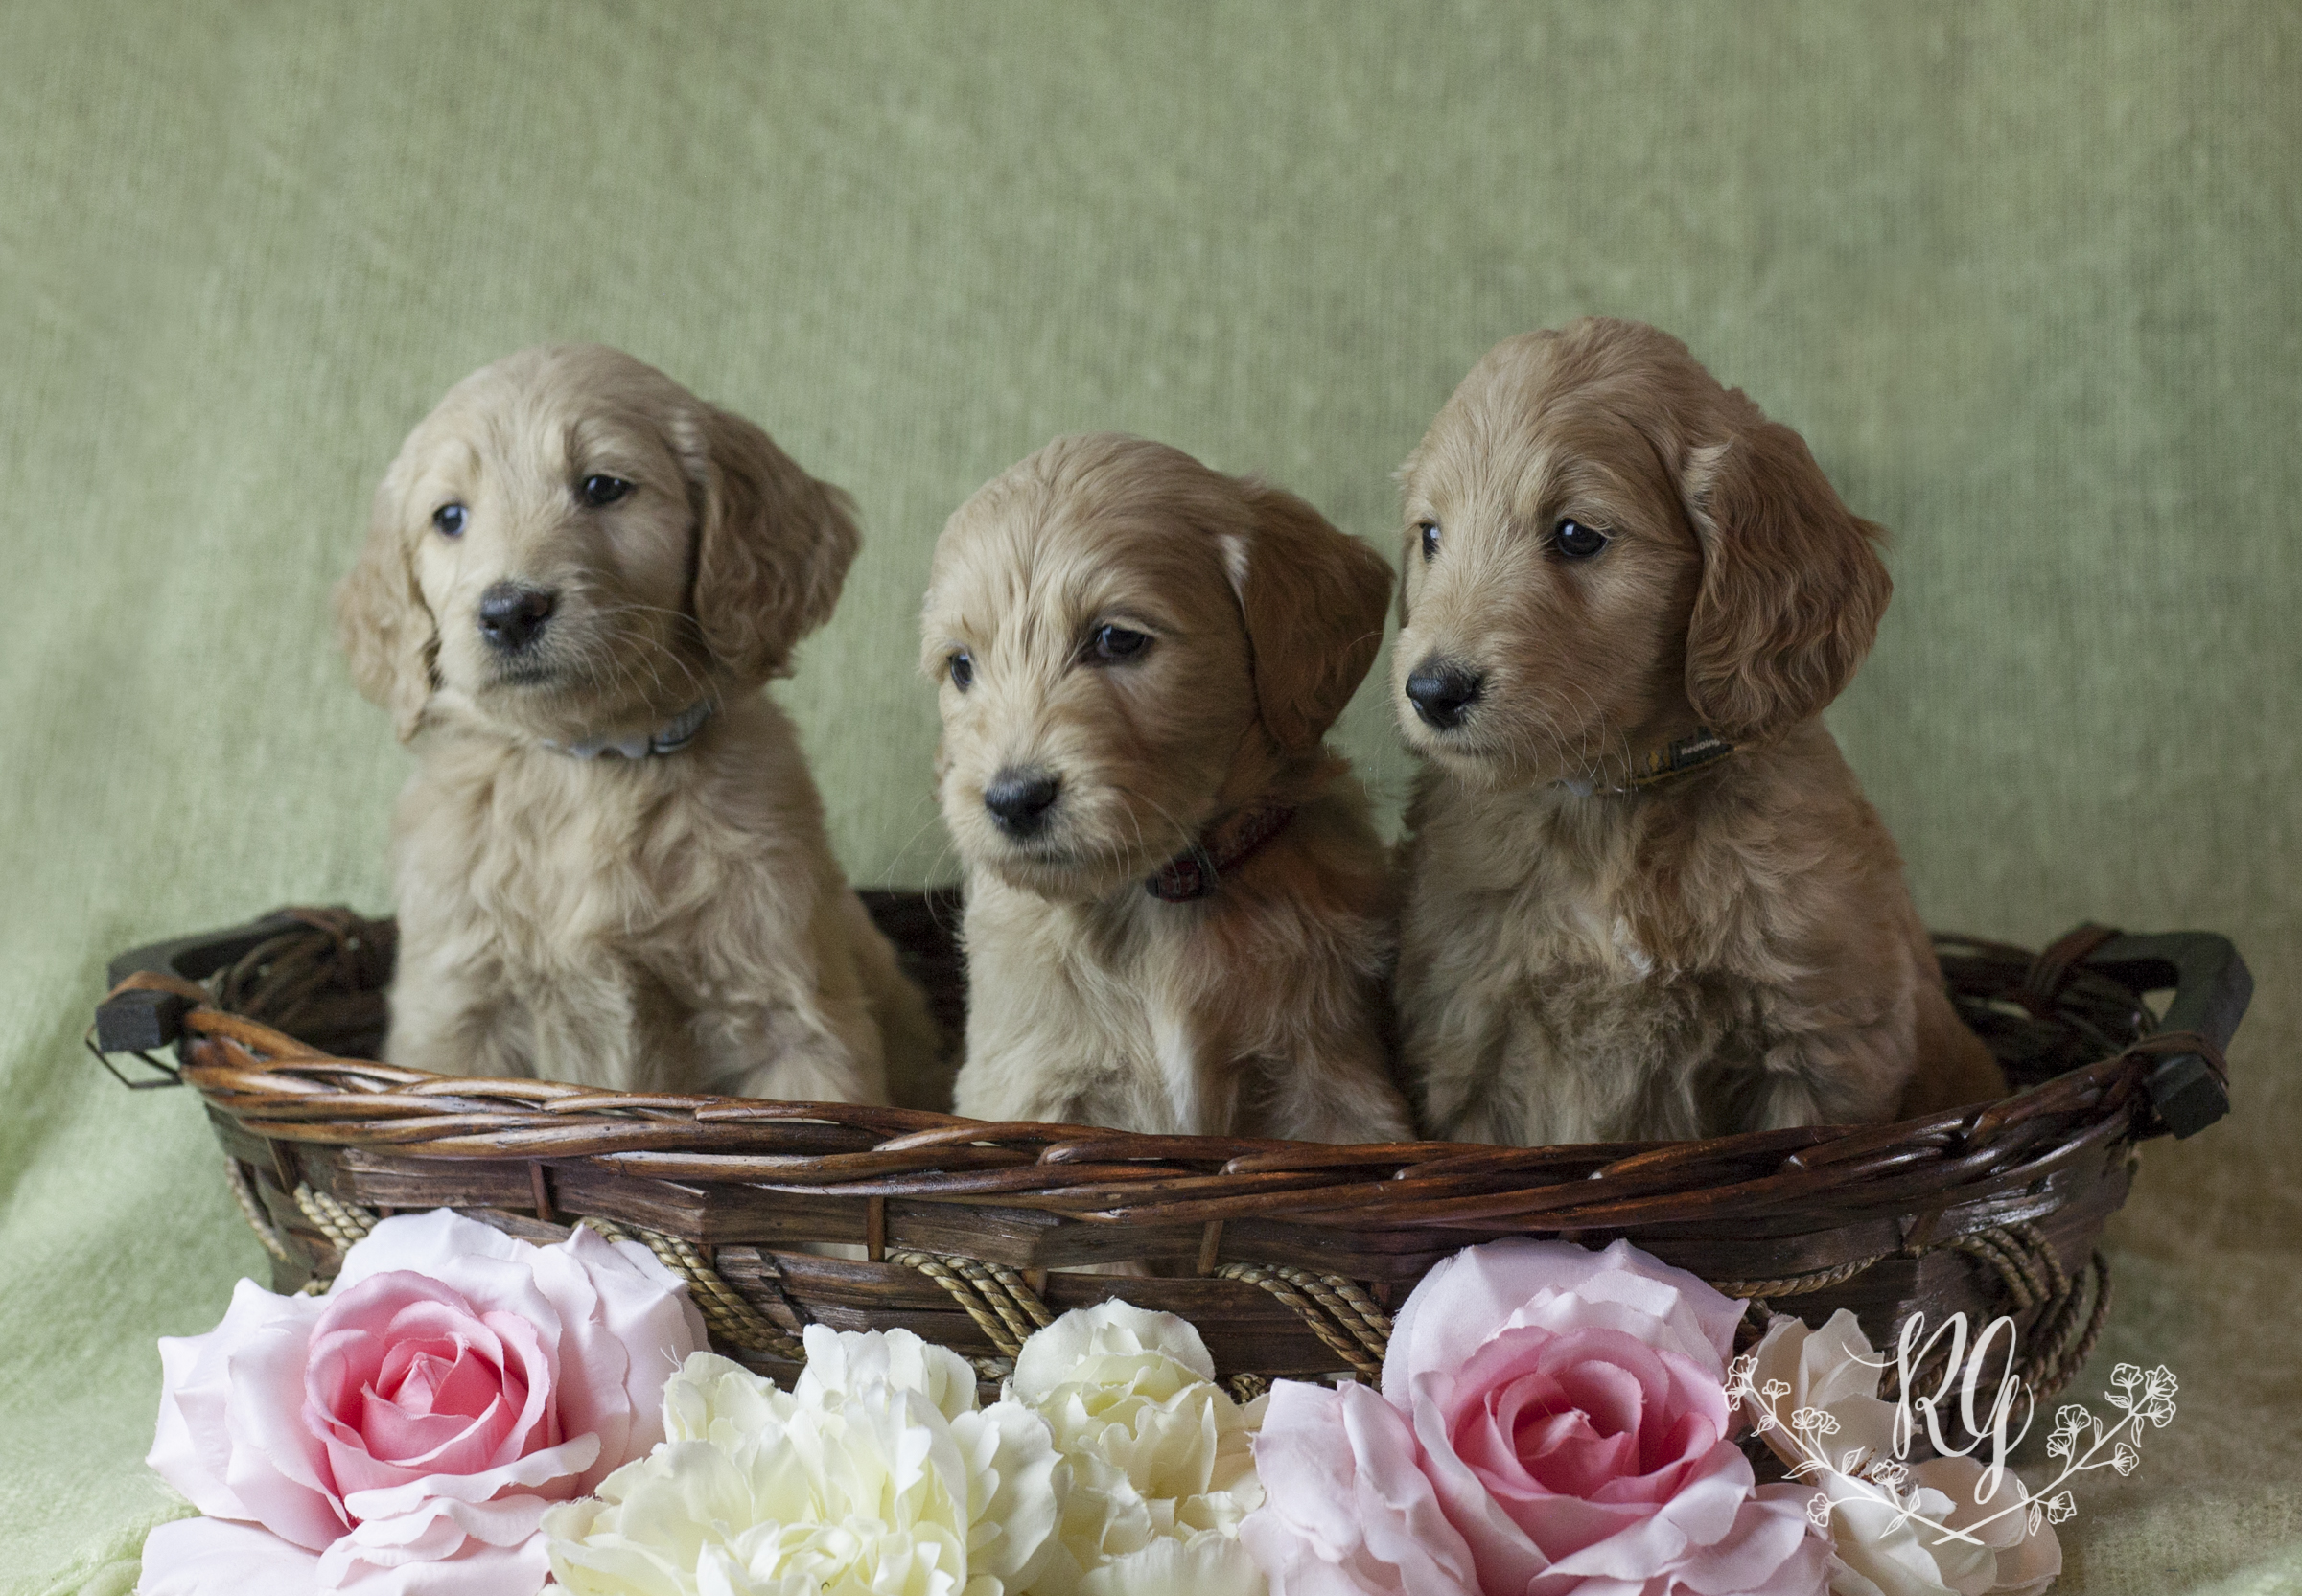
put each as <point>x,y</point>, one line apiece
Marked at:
<point>405,1433</point>
<point>1552,1419</point>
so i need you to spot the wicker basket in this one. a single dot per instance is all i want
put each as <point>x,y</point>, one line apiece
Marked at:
<point>1288,1256</point>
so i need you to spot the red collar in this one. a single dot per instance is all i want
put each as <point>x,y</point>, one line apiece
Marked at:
<point>1198,873</point>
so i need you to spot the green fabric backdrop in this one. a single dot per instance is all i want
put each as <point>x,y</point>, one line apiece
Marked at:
<point>2025,278</point>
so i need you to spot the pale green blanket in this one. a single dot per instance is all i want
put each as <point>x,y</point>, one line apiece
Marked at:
<point>2025,278</point>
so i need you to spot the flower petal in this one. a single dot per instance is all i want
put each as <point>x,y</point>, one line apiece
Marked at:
<point>1208,1564</point>
<point>1832,1368</point>
<point>557,1466</point>
<point>475,1567</point>
<point>1466,1298</point>
<point>1053,1354</point>
<point>1345,1508</point>
<point>276,1467</point>
<point>842,1361</point>
<point>191,1446</point>
<point>215,1557</point>
<point>630,1324</point>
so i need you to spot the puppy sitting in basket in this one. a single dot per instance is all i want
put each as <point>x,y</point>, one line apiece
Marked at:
<point>1646,898</point>
<point>611,864</point>
<point>1178,914</point>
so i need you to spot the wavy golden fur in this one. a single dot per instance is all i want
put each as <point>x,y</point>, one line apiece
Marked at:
<point>1256,1010</point>
<point>1733,950</point>
<point>668,923</point>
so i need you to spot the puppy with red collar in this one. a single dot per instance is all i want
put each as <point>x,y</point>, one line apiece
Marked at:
<point>1179,911</point>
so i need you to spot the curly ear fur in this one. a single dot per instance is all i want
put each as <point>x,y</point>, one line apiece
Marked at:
<point>1792,588</point>
<point>1314,599</point>
<point>387,631</point>
<point>1409,535</point>
<point>772,544</point>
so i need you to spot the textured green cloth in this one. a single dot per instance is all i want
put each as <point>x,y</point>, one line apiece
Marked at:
<point>2025,278</point>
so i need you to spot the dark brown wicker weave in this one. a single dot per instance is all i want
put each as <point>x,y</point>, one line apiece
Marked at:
<point>1286,1254</point>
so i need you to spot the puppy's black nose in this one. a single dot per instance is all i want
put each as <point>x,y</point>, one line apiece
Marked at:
<point>511,614</point>
<point>1443,692</point>
<point>1019,800</point>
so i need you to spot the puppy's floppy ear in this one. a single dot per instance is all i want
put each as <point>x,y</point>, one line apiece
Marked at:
<point>1313,601</point>
<point>1410,537</point>
<point>1792,589</point>
<point>772,544</point>
<point>385,628</point>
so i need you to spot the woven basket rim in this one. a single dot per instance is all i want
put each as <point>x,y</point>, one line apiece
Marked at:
<point>279,1088</point>
<point>1289,1255</point>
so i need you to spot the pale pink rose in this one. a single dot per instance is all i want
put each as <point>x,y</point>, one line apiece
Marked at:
<point>405,1433</point>
<point>1552,1420</point>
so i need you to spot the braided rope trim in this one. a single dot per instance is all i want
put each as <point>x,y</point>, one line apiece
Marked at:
<point>343,1223</point>
<point>728,1313</point>
<point>2025,1262</point>
<point>1344,1318</point>
<point>1334,1307</point>
<point>2064,1368</point>
<point>1000,1300</point>
<point>251,1209</point>
<point>2071,1310</point>
<point>2023,1258</point>
<point>1797,1285</point>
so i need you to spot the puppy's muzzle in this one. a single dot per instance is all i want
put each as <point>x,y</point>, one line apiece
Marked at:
<point>512,615</point>
<point>1019,800</point>
<point>1443,692</point>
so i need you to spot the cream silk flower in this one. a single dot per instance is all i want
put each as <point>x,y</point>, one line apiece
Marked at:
<point>876,1473</point>
<point>1161,1458</point>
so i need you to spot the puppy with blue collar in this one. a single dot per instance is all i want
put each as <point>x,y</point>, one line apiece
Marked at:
<point>611,862</point>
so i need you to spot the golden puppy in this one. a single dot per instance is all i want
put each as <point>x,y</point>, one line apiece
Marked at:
<point>611,862</point>
<point>1178,914</point>
<point>1646,898</point>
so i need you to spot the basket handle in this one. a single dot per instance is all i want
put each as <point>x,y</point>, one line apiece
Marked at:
<point>141,1019</point>
<point>2212,987</point>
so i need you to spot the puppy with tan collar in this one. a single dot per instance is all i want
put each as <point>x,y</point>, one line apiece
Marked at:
<point>1178,913</point>
<point>1646,898</point>
<point>610,863</point>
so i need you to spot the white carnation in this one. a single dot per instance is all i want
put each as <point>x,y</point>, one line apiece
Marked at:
<point>1161,1458</point>
<point>876,1475</point>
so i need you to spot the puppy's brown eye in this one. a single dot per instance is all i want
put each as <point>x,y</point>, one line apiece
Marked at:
<point>962,670</point>
<point>451,519</point>
<point>1430,538</point>
<point>1114,644</point>
<point>604,490</point>
<point>1578,542</point>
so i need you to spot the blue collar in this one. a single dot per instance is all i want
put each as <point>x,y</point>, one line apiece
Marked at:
<point>670,737</point>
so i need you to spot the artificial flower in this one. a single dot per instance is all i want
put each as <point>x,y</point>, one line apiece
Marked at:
<point>1161,1458</point>
<point>1208,1563</point>
<point>1552,1421</point>
<point>876,1473</point>
<point>405,1432</point>
<point>1887,1519</point>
